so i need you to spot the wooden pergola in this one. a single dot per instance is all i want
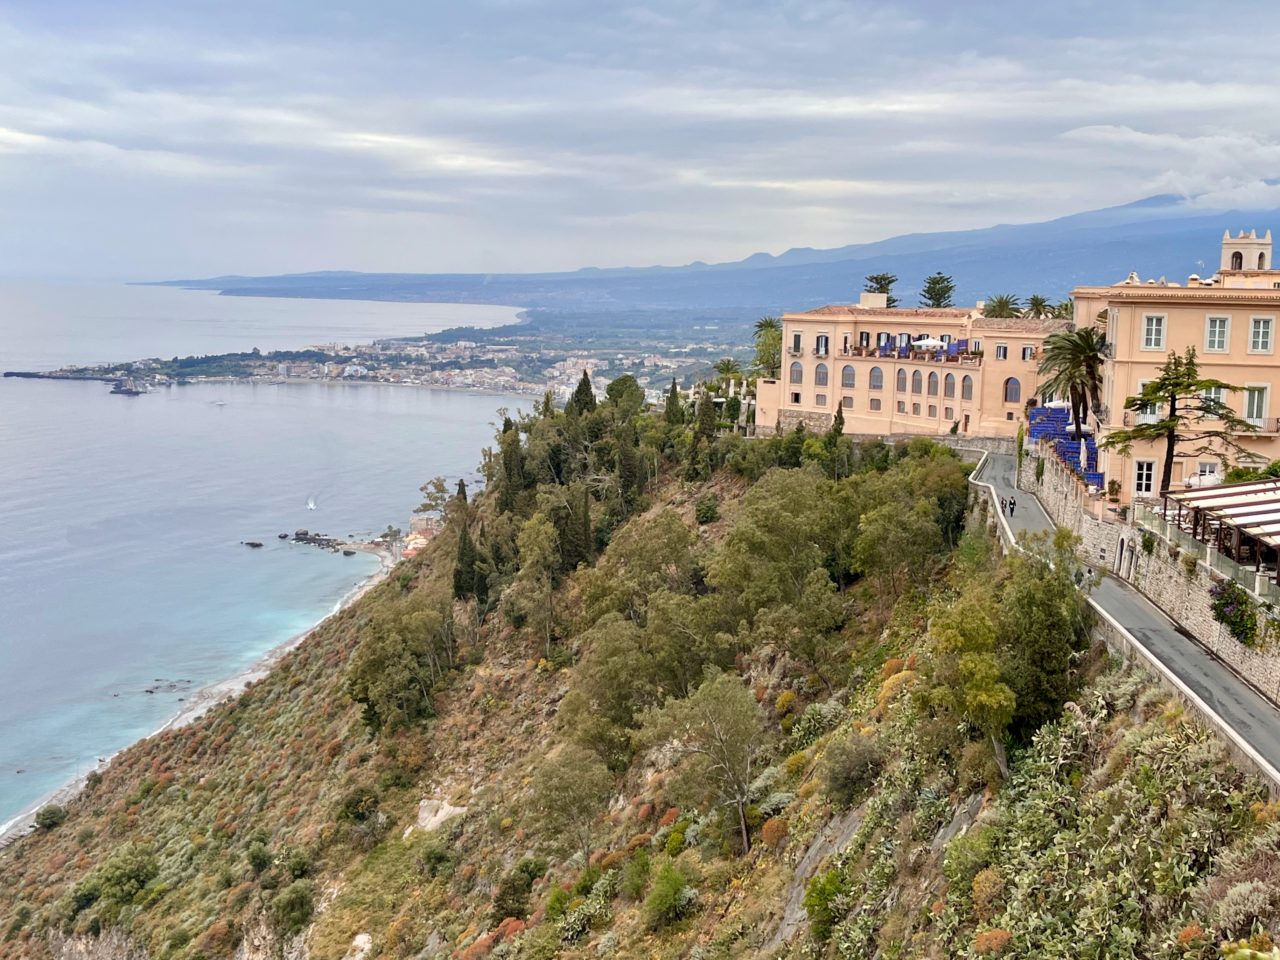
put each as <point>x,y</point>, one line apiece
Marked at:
<point>1241,520</point>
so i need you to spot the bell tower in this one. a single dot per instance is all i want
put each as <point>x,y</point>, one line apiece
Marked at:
<point>1246,251</point>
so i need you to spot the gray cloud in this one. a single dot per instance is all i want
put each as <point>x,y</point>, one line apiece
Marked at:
<point>153,139</point>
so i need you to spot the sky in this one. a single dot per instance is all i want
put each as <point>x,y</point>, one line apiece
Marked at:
<point>150,139</point>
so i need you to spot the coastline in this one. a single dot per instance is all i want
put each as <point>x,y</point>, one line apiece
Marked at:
<point>202,700</point>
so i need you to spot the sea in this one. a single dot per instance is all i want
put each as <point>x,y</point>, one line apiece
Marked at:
<point>125,584</point>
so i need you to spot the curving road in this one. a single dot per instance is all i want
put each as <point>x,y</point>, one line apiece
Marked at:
<point>1254,719</point>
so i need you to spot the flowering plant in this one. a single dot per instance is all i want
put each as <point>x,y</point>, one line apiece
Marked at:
<point>1234,609</point>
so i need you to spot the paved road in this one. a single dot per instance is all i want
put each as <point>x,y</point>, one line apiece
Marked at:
<point>1254,718</point>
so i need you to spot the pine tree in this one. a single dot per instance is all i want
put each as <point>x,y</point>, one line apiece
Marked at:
<point>675,410</point>
<point>882,283</point>
<point>584,398</point>
<point>939,289</point>
<point>464,569</point>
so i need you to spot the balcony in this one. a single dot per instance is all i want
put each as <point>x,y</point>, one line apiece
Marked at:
<point>819,351</point>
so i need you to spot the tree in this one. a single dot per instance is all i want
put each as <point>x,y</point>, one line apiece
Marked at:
<point>1190,416</point>
<point>1038,307</point>
<point>806,631</point>
<point>768,340</point>
<point>897,544</point>
<point>568,790</point>
<point>939,291</point>
<point>674,412</point>
<point>882,283</point>
<point>584,397</point>
<point>728,368</point>
<point>539,551</point>
<point>649,554</point>
<point>837,426</point>
<point>1071,365</point>
<point>51,816</point>
<point>461,493</point>
<point>626,395</point>
<point>717,738</point>
<point>705,427</point>
<point>1003,306</point>
<point>464,567</point>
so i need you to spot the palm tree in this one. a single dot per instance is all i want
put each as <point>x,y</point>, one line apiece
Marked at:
<point>1071,364</point>
<point>1002,306</point>
<point>1038,307</point>
<point>1066,310</point>
<point>728,367</point>
<point>768,325</point>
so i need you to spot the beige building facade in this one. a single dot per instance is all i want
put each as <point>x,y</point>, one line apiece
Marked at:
<point>895,371</point>
<point>1231,321</point>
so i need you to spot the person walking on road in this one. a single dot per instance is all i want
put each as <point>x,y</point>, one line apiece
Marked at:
<point>1004,504</point>
<point>1012,503</point>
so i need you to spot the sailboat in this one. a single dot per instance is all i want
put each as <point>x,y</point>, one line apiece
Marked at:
<point>311,502</point>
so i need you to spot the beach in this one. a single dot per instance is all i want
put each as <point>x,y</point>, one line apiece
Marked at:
<point>202,700</point>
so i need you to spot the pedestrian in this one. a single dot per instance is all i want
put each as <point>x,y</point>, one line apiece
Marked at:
<point>1012,503</point>
<point>1004,505</point>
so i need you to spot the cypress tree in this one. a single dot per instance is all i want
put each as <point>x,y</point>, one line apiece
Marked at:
<point>674,413</point>
<point>584,398</point>
<point>462,490</point>
<point>629,479</point>
<point>464,569</point>
<point>706,426</point>
<point>837,425</point>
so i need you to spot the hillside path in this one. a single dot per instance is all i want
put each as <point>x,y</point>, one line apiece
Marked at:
<point>1254,718</point>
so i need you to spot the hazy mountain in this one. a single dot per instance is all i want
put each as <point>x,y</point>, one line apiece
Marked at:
<point>1165,235</point>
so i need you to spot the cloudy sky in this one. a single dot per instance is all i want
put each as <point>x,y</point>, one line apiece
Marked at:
<point>153,138</point>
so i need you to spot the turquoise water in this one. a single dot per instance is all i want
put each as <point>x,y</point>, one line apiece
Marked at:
<point>121,567</point>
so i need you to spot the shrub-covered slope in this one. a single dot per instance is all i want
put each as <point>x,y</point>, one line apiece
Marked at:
<point>662,694</point>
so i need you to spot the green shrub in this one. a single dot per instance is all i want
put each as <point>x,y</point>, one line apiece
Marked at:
<point>558,902</point>
<point>635,875</point>
<point>1040,470</point>
<point>586,880</point>
<point>968,855</point>
<point>675,841</point>
<point>293,906</point>
<point>819,898</point>
<point>358,805</point>
<point>259,857</point>
<point>1235,610</point>
<point>850,766</point>
<point>512,896</point>
<point>707,509</point>
<point>435,859</point>
<point>47,818</point>
<point>297,864</point>
<point>671,899</point>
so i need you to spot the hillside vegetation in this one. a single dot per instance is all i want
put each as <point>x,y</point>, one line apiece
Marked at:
<point>663,693</point>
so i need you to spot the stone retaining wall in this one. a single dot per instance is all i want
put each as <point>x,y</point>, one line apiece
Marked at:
<point>1165,575</point>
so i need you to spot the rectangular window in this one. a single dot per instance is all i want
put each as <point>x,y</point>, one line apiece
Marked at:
<point>1215,334</point>
<point>933,411</point>
<point>1215,395</point>
<point>822,345</point>
<point>1144,477</point>
<point>1255,405</point>
<point>1260,335</point>
<point>949,412</point>
<point>875,403</point>
<point>820,399</point>
<point>846,402</point>
<point>1147,412</point>
<point>975,346</point>
<point>795,398</point>
<point>902,406</point>
<point>1207,468</point>
<point>795,343</point>
<point>1002,351</point>
<point>1028,351</point>
<point>1153,331</point>
<point>915,409</point>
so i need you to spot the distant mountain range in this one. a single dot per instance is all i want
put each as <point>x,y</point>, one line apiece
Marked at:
<point>1165,235</point>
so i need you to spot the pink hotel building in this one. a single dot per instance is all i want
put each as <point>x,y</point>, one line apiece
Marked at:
<point>980,377</point>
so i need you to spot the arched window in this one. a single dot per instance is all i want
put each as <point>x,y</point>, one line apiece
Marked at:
<point>933,384</point>
<point>797,373</point>
<point>966,388</point>
<point>1237,261</point>
<point>949,385</point>
<point>846,375</point>
<point>876,378</point>
<point>1012,390</point>
<point>902,381</point>
<point>917,381</point>
<point>1262,261</point>
<point>820,375</point>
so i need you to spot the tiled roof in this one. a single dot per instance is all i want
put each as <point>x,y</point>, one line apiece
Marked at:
<point>898,313</point>
<point>1022,324</point>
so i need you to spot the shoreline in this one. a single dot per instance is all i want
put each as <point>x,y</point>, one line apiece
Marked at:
<point>202,700</point>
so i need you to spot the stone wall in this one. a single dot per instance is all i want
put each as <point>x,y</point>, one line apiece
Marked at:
<point>813,422</point>
<point>1164,575</point>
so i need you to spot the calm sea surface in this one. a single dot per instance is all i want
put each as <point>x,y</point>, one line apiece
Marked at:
<point>121,567</point>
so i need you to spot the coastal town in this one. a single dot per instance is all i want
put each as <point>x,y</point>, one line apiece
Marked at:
<point>513,364</point>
